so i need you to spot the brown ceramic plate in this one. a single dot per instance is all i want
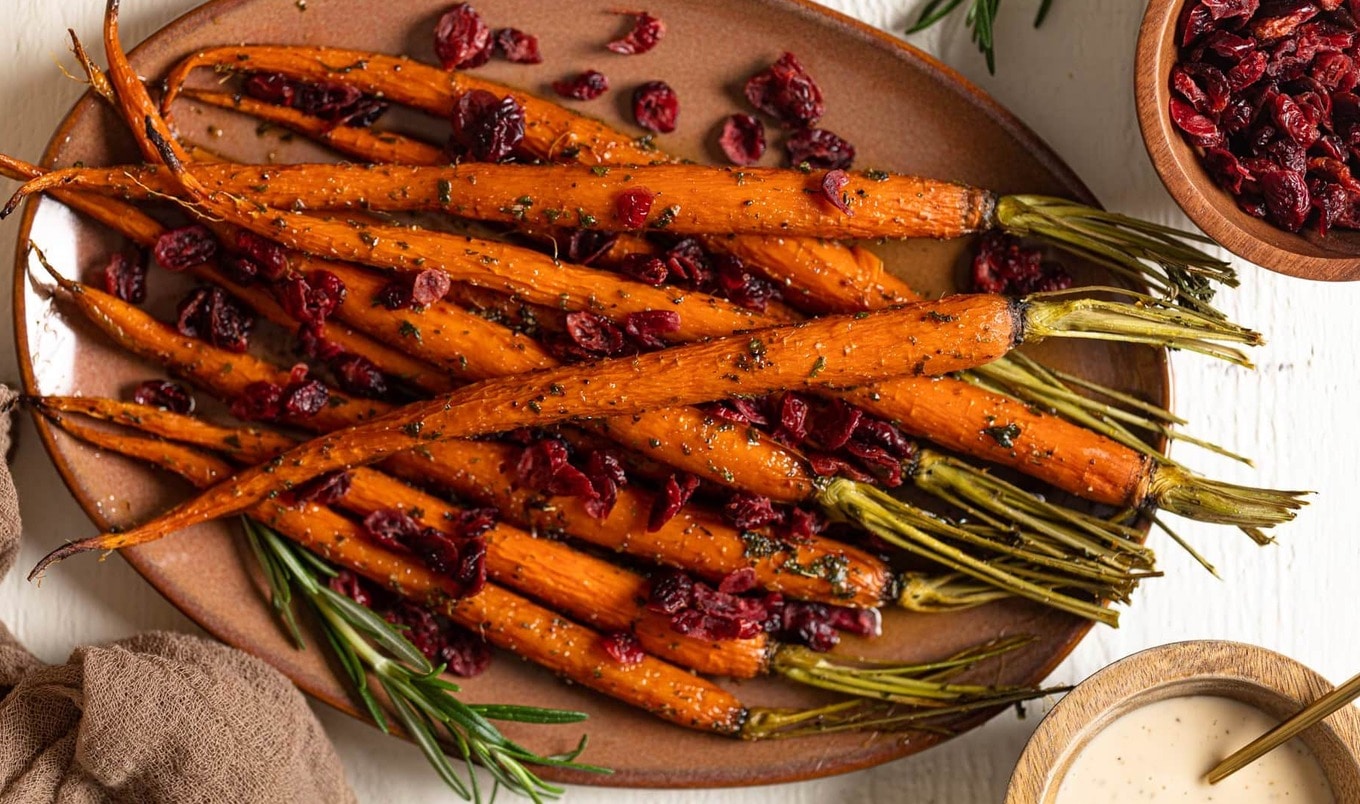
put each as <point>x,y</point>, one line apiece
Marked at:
<point>901,109</point>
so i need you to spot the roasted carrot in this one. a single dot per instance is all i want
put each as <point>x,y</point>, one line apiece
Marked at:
<point>925,338</point>
<point>1156,254</point>
<point>501,617</point>
<point>815,569</point>
<point>880,681</point>
<point>587,589</point>
<point>348,140</point>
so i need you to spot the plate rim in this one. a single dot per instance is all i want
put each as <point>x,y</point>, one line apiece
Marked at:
<point>212,623</point>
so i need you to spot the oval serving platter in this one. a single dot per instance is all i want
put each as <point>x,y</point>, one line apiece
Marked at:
<point>901,109</point>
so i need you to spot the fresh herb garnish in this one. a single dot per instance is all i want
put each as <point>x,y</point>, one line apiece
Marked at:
<point>370,648</point>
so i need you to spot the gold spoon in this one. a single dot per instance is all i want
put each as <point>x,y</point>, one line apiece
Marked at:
<point>1286,731</point>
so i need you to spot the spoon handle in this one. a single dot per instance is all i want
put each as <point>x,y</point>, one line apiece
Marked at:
<point>1286,731</point>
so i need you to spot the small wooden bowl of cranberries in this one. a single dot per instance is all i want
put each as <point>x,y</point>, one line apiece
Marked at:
<point>1250,110</point>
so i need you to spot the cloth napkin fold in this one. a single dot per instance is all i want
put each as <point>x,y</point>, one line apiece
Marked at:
<point>159,717</point>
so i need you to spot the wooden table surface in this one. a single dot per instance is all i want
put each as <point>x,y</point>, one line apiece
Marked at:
<point>1298,415</point>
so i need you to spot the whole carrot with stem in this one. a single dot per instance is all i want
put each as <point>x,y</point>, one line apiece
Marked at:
<point>1164,258</point>
<point>754,364</point>
<point>911,684</point>
<point>596,593</point>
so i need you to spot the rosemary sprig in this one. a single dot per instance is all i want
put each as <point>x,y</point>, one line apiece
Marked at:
<point>366,645</point>
<point>981,19</point>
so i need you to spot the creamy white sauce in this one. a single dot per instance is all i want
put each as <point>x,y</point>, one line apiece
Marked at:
<point>1161,752</point>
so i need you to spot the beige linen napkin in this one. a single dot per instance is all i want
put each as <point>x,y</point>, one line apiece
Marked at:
<point>160,717</point>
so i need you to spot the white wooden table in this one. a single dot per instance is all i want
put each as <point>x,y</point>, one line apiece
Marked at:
<point>1072,82</point>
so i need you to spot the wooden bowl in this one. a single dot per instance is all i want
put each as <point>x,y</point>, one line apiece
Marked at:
<point>1271,682</point>
<point>1335,257</point>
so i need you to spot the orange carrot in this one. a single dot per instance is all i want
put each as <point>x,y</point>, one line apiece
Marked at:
<point>681,198</point>
<point>587,589</point>
<point>815,569</point>
<point>501,617</point>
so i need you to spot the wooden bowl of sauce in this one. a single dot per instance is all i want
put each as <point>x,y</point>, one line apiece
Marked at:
<point>1140,729</point>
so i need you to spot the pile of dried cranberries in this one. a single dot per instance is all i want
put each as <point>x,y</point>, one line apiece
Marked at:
<point>1267,92</point>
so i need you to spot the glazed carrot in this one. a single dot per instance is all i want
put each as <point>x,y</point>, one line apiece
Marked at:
<point>918,686</point>
<point>386,146</point>
<point>924,338</point>
<point>1157,254</point>
<point>144,231</point>
<point>587,589</point>
<point>550,131</point>
<point>683,198</point>
<point>814,569</point>
<point>501,617</point>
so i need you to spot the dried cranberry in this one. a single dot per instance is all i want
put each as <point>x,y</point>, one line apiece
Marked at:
<point>322,490</point>
<point>125,277</point>
<point>275,88</point>
<point>1230,9</point>
<point>819,148</point>
<point>1195,22</point>
<point>211,315</point>
<point>490,128</point>
<point>239,269</point>
<point>165,395</point>
<point>301,400</point>
<point>359,376</point>
<point>543,467</point>
<point>750,511</point>
<point>311,343</point>
<point>833,190</point>
<point>588,85</point>
<point>647,326</point>
<point>877,431</point>
<point>644,268</point>
<point>879,461</point>
<point>740,285</point>
<point>1003,265</point>
<point>605,471</point>
<point>460,37</point>
<point>656,106</point>
<point>672,592</point>
<point>436,549</point>
<point>183,248</point>
<point>258,401</point>
<point>391,528</point>
<point>464,653</point>
<point>687,262</point>
<point>271,258</point>
<point>1270,28</point>
<point>353,587</point>
<point>804,524</point>
<point>395,295</point>
<point>633,205</point>
<point>595,334</point>
<point>1247,72</point>
<point>517,46</point>
<point>835,424</point>
<point>738,581</point>
<point>1292,120</point>
<point>1226,169</point>
<point>676,491</point>
<point>646,32</point>
<point>786,92</point>
<point>793,418</point>
<point>311,300</point>
<point>1198,129</point>
<point>807,623</point>
<point>327,101</point>
<point>585,246</point>
<point>1287,199</point>
<point>824,465</point>
<point>429,286</point>
<point>742,139</point>
<point>622,647</point>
